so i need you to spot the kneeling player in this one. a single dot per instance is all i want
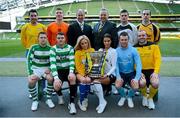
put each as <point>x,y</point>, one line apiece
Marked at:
<point>151,60</point>
<point>38,68</point>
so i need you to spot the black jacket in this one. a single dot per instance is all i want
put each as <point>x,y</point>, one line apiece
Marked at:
<point>74,31</point>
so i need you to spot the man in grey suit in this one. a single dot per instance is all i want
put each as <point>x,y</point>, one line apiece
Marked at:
<point>102,27</point>
<point>78,28</point>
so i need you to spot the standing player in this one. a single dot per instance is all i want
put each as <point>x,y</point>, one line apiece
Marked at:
<point>152,31</point>
<point>126,26</point>
<point>55,27</point>
<point>30,31</point>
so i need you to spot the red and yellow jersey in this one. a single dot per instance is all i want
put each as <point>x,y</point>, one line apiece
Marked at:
<point>80,59</point>
<point>53,29</point>
<point>29,34</point>
<point>152,31</point>
<point>150,56</point>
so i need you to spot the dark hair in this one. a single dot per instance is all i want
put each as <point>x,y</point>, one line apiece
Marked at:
<point>41,33</point>
<point>106,35</point>
<point>124,34</point>
<point>147,10</point>
<point>60,33</point>
<point>124,11</point>
<point>59,9</point>
<point>33,10</point>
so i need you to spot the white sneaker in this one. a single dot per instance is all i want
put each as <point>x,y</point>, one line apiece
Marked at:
<point>137,93</point>
<point>144,102</point>
<point>30,96</point>
<point>81,106</point>
<point>60,100</point>
<point>85,102</point>
<point>121,101</point>
<point>130,103</point>
<point>151,104</point>
<point>72,108</point>
<point>34,105</point>
<point>97,108</point>
<point>102,107</point>
<point>50,103</point>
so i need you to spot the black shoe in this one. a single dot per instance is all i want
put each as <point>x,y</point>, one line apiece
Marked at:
<point>107,93</point>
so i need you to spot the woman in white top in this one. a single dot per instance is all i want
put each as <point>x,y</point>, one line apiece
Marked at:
<point>110,63</point>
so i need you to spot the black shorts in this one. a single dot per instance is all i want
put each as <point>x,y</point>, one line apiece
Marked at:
<point>147,74</point>
<point>127,77</point>
<point>63,74</point>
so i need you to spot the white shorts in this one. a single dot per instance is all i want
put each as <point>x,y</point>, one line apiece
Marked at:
<point>40,72</point>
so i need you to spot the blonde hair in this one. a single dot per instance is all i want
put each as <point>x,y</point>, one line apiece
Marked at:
<point>78,45</point>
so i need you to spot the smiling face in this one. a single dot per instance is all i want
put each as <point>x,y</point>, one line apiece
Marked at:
<point>123,41</point>
<point>107,42</point>
<point>142,37</point>
<point>84,44</point>
<point>80,15</point>
<point>59,15</point>
<point>33,17</point>
<point>103,15</point>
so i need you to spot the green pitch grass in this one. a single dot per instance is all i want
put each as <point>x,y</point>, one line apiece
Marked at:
<point>170,47</point>
<point>13,48</point>
<point>9,69</point>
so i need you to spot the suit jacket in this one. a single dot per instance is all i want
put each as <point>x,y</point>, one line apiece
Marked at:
<point>108,27</point>
<point>75,31</point>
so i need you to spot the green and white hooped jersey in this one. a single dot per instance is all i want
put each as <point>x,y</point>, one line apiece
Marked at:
<point>38,57</point>
<point>61,58</point>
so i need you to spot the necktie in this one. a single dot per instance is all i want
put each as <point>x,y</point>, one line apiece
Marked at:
<point>82,26</point>
<point>100,27</point>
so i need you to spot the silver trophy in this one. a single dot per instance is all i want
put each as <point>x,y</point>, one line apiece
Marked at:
<point>97,59</point>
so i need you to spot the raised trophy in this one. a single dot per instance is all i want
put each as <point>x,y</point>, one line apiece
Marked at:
<point>97,60</point>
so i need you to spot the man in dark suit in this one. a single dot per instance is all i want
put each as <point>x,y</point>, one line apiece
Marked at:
<point>102,27</point>
<point>78,28</point>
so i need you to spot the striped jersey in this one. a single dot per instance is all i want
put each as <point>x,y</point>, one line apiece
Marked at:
<point>61,58</point>
<point>38,57</point>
